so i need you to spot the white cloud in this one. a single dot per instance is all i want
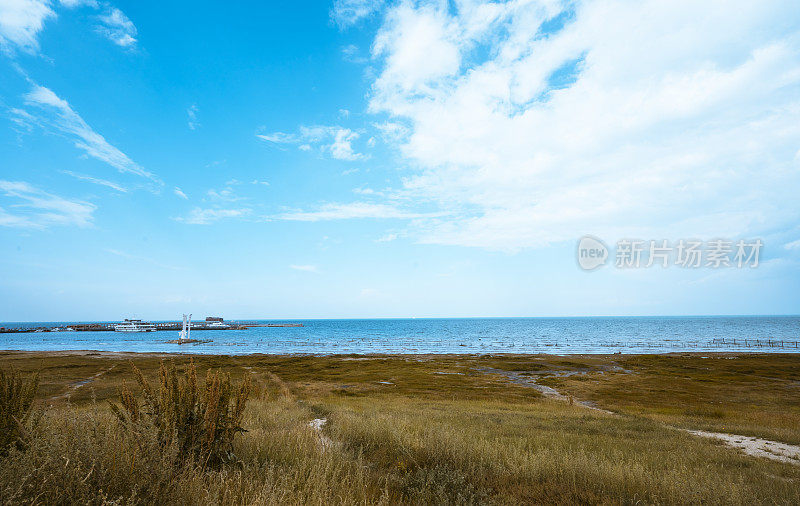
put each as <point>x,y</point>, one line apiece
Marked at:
<point>349,12</point>
<point>233,190</point>
<point>199,216</point>
<point>20,23</point>
<point>334,140</point>
<point>352,210</point>
<point>57,113</point>
<point>683,126</point>
<point>278,138</point>
<point>351,53</point>
<point>117,28</point>
<point>98,181</point>
<point>35,208</point>
<point>419,45</point>
<point>342,148</point>
<point>392,132</point>
<point>304,268</point>
<point>177,191</point>
<point>387,237</point>
<point>226,194</point>
<point>191,112</point>
<point>71,4</point>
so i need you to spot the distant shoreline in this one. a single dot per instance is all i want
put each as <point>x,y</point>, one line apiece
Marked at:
<point>390,318</point>
<point>147,354</point>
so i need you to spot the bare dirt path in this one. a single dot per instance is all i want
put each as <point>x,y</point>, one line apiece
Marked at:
<point>75,386</point>
<point>549,392</point>
<point>752,446</point>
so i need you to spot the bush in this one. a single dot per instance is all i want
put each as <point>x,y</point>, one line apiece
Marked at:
<point>202,423</point>
<point>16,399</point>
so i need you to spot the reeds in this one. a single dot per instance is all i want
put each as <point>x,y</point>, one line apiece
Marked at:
<point>16,400</point>
<point>202,422</point>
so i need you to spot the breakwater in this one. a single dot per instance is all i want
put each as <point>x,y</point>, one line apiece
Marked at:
<point>165,326</point>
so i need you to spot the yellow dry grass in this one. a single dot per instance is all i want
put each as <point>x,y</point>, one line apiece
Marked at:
<point>424,430</point>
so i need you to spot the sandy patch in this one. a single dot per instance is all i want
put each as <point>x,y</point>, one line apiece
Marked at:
<point>317,425</point>
<point>755,447</point>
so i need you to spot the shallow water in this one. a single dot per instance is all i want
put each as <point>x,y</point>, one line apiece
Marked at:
<point>464,335</point>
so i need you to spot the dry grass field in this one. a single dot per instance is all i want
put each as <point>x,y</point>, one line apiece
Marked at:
<point>422,430</point>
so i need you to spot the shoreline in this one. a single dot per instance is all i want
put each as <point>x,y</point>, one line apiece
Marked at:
<point>155,354</point>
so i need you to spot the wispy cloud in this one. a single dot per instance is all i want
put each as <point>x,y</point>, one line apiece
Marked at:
<point>56,113</point>
<point>200,216</point>
<point>387,237</point>
<point>71,4</point>
<point>20,24</point>
<point>346,13</point>
<point>96,180</point>
<point>334,140</point>
<point>191,113</point>
<point>177,191</point>
<point>792,245</point>
<point>352,54</point>
<point>353,210</point>
<point>117,28</point>
<point>279,138</point>
<point>148,260</point>
<point>305,268</point>
<point>35,208</point>
<point>226,194</point>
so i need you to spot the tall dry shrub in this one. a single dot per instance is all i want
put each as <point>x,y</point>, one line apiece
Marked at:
<point>16,399</point>
<point>202,422</point>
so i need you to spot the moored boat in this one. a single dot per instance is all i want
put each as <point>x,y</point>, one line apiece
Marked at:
<point>134,326</point>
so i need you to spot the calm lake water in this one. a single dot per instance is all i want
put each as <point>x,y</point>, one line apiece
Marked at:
<point>467,335</point>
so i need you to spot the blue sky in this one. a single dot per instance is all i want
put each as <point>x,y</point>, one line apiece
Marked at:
<point>363,158</point>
